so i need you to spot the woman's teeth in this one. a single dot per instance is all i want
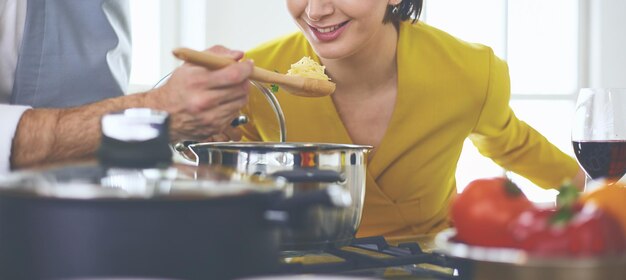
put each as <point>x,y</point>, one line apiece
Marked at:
<point>328,29</point>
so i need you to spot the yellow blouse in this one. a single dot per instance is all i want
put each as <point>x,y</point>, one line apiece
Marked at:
<point>448,90</point>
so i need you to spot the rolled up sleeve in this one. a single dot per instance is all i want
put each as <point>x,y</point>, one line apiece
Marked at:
<point>10,115</point>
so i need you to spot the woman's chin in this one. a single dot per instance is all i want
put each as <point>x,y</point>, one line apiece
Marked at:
<point>329,52</point>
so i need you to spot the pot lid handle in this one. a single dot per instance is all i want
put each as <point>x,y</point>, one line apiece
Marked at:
<point>306,175</point>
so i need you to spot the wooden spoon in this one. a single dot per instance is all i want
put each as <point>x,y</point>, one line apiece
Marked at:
<point>300,86</point>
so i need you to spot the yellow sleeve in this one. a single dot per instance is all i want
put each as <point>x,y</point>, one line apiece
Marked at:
<point>512,143</point>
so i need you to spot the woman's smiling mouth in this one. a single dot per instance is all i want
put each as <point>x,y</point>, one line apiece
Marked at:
<point>329,33</point>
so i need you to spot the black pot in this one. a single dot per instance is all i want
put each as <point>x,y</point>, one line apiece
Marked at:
<point>54,225</point>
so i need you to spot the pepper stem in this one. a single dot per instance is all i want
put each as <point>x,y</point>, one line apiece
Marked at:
<point>568,195</point>
<point>565,202</point>
<point>512,189</point>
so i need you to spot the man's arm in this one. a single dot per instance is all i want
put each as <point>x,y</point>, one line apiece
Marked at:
<point>53,135</point>
<point>201,103</point>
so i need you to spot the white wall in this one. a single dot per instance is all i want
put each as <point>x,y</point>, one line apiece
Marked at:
<point>160,26</point>
<point>243,24</point>
<point>607,43</point>
<point>237,24</point>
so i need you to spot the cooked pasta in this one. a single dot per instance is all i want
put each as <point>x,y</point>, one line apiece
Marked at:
<point>308,68</point>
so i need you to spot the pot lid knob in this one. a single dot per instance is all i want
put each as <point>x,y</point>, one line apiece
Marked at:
<point>135,138</point>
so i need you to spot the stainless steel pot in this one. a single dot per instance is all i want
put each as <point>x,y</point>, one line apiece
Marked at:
<point>308,167</point>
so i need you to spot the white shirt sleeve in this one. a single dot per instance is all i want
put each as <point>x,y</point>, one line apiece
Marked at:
<point>119,58</point>
<point>12,20</point>
<point>10,115</point>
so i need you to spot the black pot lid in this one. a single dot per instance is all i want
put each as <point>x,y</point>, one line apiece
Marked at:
<point>178,182</point>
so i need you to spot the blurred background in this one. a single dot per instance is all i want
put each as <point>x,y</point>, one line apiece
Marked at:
<point>553,48</point>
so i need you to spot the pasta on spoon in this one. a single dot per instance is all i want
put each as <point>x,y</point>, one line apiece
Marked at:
<point>308,68</point>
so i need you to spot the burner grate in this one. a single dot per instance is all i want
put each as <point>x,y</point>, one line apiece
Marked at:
<point>370,256</point>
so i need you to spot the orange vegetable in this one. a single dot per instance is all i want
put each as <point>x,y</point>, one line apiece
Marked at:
<point>611,199</point>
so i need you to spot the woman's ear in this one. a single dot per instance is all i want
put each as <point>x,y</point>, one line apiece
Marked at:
<point>394,2</point>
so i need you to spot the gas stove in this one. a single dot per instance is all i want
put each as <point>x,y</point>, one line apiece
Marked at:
<point>371,257</point>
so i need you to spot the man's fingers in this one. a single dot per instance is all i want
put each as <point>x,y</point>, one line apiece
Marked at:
<point>230,75</point>
<point>221,116</point>
<point>226,52</point>
<point>233,133</point>
<point>204,102</point>
<point>210,99</point>
<point>229,134</point>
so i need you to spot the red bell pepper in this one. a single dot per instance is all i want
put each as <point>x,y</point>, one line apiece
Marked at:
<point>571,229</point>
<point>483,211</point>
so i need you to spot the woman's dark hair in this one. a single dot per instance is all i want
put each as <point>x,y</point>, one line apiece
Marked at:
<point>407,9</point>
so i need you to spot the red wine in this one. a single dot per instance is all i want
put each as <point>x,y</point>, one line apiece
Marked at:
<point>602,158</point>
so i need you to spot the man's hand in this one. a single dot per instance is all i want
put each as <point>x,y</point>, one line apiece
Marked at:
<point>228,134</point>
<point>202,102</point>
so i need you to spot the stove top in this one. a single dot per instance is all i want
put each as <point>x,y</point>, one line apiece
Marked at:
<point>371,257</point>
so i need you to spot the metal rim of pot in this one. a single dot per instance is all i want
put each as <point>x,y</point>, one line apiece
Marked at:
<point>133,184</point>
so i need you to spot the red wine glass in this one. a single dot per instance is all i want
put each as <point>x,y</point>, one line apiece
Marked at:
<point>599,132</point>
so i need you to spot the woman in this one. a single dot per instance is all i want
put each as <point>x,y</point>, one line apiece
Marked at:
<point>413,92</point>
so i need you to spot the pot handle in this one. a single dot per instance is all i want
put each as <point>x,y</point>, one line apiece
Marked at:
<point>306,175</point>
<point>183,147</point>
<point>183,150</point>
